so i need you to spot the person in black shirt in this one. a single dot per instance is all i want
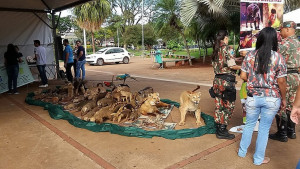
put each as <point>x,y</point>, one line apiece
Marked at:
<point>81,60</point>
<point>11,60</point>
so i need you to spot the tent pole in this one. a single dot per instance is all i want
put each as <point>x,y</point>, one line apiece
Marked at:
<point>55,43</point>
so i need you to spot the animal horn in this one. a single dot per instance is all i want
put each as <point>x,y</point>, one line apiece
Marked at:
<point>198,87</point>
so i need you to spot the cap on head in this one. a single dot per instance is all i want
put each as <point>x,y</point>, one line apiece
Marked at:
<point>288,24</point>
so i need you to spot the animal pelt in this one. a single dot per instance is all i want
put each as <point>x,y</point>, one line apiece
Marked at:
<point>137,99</point>
<point>78,99</point>
<point>105,101</point>
<point>146,91</point>
<point>90,114</point>
<point>88,107</point>
<point>103,114</point>
<point>38,92</point>
<point>70,106</point>
<point>189,101</point>
<point>123,111</point>
<point>92,93</point>
<point>149,106</point>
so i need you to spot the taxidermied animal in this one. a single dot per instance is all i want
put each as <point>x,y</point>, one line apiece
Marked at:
<point>189,101</point>
<point>70,106</point>
<point>38,92</point>
<point>88,107</point>
<point>149,106</point>
<point>138,99</point>
<point>122,87</point>
<point>105,101</point>
<point>78,99</point>
<point>90,114</point>
<point>126,95</point>
<point>122,111</point>
<point>147,90</point>
<point>70,90</point>
<point>79,84</point>
<point>55,100</point>
<point>116,95</point>
<point>102,114</point>
<point>93,92</point>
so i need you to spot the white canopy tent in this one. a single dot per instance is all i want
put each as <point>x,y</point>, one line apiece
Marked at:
<point>293,16</point>
<point>25,21</point>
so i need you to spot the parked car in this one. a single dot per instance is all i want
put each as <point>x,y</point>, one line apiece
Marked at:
<point>108,55</point>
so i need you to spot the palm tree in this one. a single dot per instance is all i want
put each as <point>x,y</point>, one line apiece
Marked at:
<point>91,15</point>
<point>167,15</point>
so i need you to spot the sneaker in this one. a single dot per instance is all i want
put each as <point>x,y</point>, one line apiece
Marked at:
<point>45,85</point>
<point>16,93</point>
<point>10,92</point>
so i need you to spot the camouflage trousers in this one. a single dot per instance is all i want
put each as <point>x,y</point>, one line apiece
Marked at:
<point>224,108</point>
<point>292,81</point>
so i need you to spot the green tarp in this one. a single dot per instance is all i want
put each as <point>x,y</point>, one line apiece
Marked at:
<point>57,112</point>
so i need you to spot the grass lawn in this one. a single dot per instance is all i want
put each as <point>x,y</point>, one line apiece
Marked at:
<point>194,52</point>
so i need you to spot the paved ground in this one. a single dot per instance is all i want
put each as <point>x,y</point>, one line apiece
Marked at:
<point>29,138</point>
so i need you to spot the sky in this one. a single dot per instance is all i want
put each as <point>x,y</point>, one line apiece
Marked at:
<point>65,13</point>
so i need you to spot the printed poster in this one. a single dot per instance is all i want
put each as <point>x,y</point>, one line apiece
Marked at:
<point>256,15</point>
<point>24,77</point>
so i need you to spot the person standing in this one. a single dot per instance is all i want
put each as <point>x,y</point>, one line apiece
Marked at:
<point>289,47</point>
<point>68,59</point>
<point>81,60</point>
<point>75,59</point>
<point>41,61</point>
<point>158,57</point>
<point>225,67</point>
<point>11,62</point>
<point>264,70</point>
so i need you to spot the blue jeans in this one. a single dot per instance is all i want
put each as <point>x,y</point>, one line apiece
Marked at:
<point>266,107</point>
<point>80,65</point>
<point>42,71</point>
<point>12,75</point>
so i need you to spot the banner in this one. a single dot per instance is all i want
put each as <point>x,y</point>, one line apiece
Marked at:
<point>256,15</point>
<point>24,77</point>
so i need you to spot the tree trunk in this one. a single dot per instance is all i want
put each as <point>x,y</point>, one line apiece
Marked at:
<point>93,42</point>
<point>187,48</point>
<point>198,42</point>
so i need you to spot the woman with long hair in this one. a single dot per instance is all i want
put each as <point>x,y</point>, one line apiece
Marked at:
<point>264,70</point>
<point>11,61</point>
<point>224,92</point>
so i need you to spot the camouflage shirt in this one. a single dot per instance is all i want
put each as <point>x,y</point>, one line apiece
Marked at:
<point>264,84</point>
<point>224,60</point>
<point>289,48</point>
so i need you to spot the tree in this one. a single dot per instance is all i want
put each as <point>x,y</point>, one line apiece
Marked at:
<point>91,15</point>
<point>167,16</point>
<point>133,35</point>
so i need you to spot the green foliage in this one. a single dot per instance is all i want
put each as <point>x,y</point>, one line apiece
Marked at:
<point>133,35</point>
<point>91,15</point>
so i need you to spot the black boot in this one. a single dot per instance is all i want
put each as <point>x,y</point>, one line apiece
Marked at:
<point>281,134</point>
<point>290,128</point>
<point>222,132</point>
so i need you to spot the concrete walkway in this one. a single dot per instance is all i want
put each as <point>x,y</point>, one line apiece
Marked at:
<point>30,138</point>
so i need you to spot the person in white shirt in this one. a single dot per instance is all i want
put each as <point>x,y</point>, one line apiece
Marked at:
<point>41,60</point>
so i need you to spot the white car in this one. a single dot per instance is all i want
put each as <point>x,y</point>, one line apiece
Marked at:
<point>107,55</point>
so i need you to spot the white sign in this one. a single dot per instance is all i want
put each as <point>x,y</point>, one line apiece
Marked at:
<point>24,77</point>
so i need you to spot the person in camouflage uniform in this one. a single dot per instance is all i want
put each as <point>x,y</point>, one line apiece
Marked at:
<point>289,47</point>
<point>224,65</point>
